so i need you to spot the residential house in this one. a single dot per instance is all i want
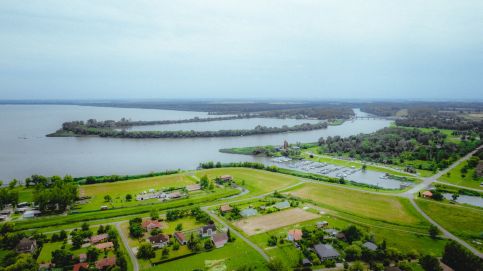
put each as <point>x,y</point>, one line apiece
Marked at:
<point>282,205</point>
<point>30,213</point>
<point>104,207</point>
<point>80,266</point>
<point>294,235</point>
<point>26,245</point>
<point>306,262</point>
<point>326,252</point>
<point>180,237</point>
<point>23,204</point>
<point>174,195</point>
<point>370,246</point>
<point>427,194</point>
<point>340,235</point>
<point>225,208</point>
<point>159,241</point>
<point>331,232</point>
<point>226,178</point>
<point>248,212</point>
<point>150,225</point>
<point>322,224</point>
<point>105,246</point>
<point>208,230</point>
<point>193,187</point>
<point>3,217</point>
<point>106,262</point>
<point>82,257</point>
<point>219,239</point>
<point>99,238</point>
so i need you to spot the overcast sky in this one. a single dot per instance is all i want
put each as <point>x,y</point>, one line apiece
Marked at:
<point>431,49</point>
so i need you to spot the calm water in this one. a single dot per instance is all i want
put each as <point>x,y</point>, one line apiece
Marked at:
<point>471,200</point>
<point>24,149</point>
<point>222,125</point>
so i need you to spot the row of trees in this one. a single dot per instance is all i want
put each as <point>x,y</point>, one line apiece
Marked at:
<point>83,130</point>
<point>397,145</point>
<point>8,195</point>
<point>55,194</point>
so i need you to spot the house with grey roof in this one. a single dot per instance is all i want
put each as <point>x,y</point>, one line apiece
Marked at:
<point>282,205</point>
<point>326,252</point>
<point>248,212</point>
<point>369,245</point>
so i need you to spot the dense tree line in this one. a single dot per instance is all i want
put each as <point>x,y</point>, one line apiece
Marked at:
<point>321,113</point>
<point>80,129</point>
<point>460,258</point>
<point>8,194</point>
<point>54,194</point>
<point>125,123</point>
<point>430,115</point>
<point>395,145</point>
<point>118,178</point>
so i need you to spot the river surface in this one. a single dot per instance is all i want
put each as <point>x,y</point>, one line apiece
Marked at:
<point>24,149</point>
<point>464,199</point>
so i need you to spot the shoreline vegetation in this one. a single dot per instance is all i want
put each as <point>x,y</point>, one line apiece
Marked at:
<point>109,129</point>
<point>412,149</point>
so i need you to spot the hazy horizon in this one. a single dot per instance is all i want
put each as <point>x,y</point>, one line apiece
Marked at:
<point>305,50</point>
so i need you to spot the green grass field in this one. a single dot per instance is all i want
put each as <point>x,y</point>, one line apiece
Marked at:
<point>234,256</point>
<point>119,190</point>
<point>389,209</point>
<point>258,182</point>
<point>455,177</point>
<point>462,221</point>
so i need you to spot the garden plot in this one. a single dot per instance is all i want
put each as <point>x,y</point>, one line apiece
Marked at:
<point>259,224</point>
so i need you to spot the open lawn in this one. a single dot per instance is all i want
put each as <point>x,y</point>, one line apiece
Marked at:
<point>233,255</point>
<point>119,190</point>
<point>462,221</point>
<point>369,205</point>
<point>259,224</point>
<point>256,181</point>
<point>454,177</point>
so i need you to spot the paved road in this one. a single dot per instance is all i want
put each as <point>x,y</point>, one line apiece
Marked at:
<point>239,235</point>
<point>429,180</point>
<point>134,260</point>
<point>445,232</point>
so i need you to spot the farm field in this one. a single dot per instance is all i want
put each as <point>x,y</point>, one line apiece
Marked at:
<point>369,205</point>
<point>259,224</point>
<point>233,255</point>
<point>258,182</point>
<point>455,177</point>
<point>118,190</point>
<point>462,221</point>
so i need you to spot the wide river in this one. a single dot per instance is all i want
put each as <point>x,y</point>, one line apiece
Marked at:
<point>24,149</point>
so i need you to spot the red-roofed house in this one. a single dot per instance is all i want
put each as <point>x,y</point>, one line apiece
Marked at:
<point>219,239</point>
<point>180,237</point>
<point>107,245</point>
<point>99,238</point>
<point>106,262</point>
<point>427,194</point>
<point>80,266</point>
<point>225,208</point>
<point>149,225</point>
<point>294,235</point>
